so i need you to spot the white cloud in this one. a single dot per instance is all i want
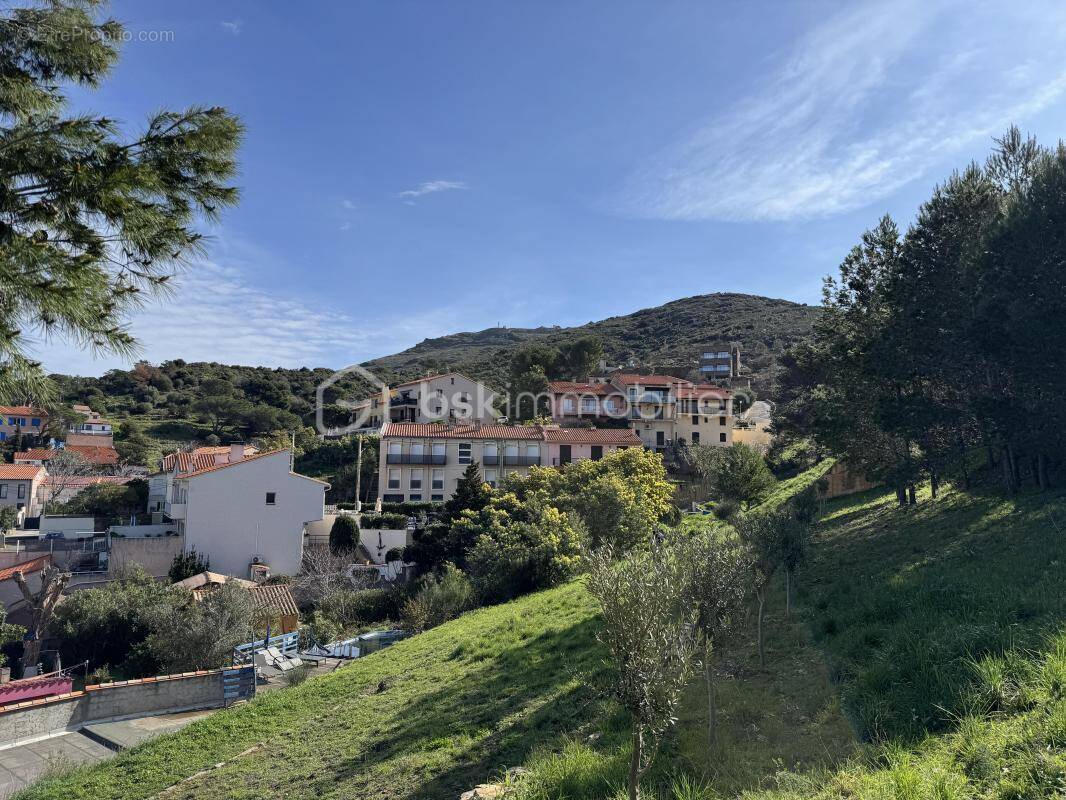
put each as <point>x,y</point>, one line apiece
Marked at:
<point>431,187</point>
<point>348,205</point>
<point>221,310</point>
<point>234,26</point>
<point>871,99</point>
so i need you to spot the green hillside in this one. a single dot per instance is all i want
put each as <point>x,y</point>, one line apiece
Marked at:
<point>670,338</point>
<point>936,632</point>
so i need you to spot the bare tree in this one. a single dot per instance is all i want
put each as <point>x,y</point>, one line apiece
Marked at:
<point>652,639</point>
<point>63,470</point>
<point>325,574</point>
<point>42,605</point>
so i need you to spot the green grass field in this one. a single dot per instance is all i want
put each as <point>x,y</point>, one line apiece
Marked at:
<point>926,658</point>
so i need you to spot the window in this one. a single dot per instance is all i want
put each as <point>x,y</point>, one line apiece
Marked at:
<point>416,479</point>
<point>417,450</point>
<point>721,420</point>
<point>415,498</point>
<point>660,438</point>
<point>568,405</point>
<point>394,479</point>
<point>37,422</point>
<point>464,453</point>
<point>721,437</point>
<point>394,448</point>
<point>510,453</point>
<point>490,477</point>
<point>438,479</point>
<point>597,452</point>
<point>695,420</point>
<point>272,498</point>
<point>588,405</point>
<point>438,452</point>
<point>392,498</point>
<point>436,498</point>
<point>491,453</point>
<point>695,437</point>
<point>3,490</point>
<point>532,454</point>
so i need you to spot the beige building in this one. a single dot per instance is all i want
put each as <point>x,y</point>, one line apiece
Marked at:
<point>424,462</point>
<point>21,419</point>
<point>451,397</point>
<point>21,488</point>
<point>662,410</point>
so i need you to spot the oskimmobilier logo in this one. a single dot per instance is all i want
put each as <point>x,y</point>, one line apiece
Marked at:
<point>362,409</point>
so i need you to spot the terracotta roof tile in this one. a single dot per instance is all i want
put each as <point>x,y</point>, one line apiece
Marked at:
<point>26,567</point>
<point>94,454</point>
<point>23,411</point>
<point>19,472</point>
<point>429,430</point>
<point>609,436</point>
<point>575,387</point>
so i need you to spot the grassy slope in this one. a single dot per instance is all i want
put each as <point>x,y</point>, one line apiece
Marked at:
<point>948,617</point>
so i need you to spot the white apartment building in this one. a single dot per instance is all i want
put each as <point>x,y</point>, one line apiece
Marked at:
<point>424,462</point>
<point>248,516</point>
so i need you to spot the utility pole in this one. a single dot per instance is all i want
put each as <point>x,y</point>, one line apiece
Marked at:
<point>359,473</point>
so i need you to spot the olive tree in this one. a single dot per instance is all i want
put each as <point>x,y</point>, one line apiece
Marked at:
<point>765,534</point>
<point>652,639</point>
<point>719,566</point>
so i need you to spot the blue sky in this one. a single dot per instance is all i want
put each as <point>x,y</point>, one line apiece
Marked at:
<point>414,169</point>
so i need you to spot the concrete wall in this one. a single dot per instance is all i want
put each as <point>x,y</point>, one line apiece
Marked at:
<point>318,531</point>
<point>380,542</point>
<point>47,716</point>
<point>70,527</point>
<point>228,520</point>
<point>155,555</point>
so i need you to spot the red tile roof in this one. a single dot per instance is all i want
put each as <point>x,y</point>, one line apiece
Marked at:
<point>201,458</point>
<point>245,460</point>
<point>212,467</point>
<point>429,430</point>
<point>22,411</point>
<point>19,472</point>
<point>86,480</point>
<point>94,454</point>
<point>26,567</point>
<point>574,387</point>
<point>609,436</point>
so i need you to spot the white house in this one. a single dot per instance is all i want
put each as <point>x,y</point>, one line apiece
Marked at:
<point>247,516</point>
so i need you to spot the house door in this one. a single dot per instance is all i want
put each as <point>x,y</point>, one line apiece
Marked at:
<point>660,438</point>
<point>564,454</point>
<point>597,452</point>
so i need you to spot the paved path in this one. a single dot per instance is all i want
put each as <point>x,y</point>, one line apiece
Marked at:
<point>23,765</point>
<point>20,766</point>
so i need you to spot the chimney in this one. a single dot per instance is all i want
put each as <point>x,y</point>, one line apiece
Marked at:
<point>236,452</point>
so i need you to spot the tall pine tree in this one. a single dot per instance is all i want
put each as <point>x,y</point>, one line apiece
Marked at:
<point>92,221</point>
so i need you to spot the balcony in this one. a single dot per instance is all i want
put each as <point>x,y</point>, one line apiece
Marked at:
<point>652,397</point>
<point>404,400</point>
<point>416,458</point>
<point>511,461</point>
